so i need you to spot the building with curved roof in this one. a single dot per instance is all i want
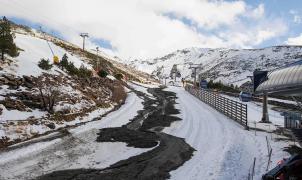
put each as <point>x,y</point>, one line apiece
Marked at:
<point>286,81</point>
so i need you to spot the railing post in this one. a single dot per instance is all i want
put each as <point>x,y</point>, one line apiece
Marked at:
<point>224,105</point>
<point>246,124</point>
<point>241,109</point>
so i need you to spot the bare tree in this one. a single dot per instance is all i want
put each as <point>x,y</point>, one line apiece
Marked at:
<point>49,93</point>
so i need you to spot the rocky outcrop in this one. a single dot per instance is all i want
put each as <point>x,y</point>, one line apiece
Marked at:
<point>12,104</point>
<point>15,82</point>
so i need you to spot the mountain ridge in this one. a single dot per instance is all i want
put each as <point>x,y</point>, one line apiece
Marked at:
<point>227,65</point>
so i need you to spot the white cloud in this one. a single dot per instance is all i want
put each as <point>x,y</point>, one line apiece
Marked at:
<point>243,36</point>
<point>203,13</point>
<point>297,19</point>
<point>296,16</point>
<point>258,12</point>
<point>295,40</point>
<point>139,28</point>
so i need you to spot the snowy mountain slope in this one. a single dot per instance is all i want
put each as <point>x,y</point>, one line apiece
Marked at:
<point>33,49</point>
<point>226,65</point>
<point>26,90</point>
<point>35,42</point>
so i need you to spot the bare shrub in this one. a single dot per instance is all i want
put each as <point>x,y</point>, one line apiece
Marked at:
<point>118,93</point>
<point>49,92</point>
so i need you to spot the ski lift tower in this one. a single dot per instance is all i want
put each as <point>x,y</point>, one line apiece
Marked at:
<point>194,67</point>
<point>84,36</point>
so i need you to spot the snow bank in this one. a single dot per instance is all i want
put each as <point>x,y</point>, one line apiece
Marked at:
<point>79,150</point>
<point>8,115</point>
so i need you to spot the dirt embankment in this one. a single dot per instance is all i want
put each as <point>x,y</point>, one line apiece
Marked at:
<point>144,131</point>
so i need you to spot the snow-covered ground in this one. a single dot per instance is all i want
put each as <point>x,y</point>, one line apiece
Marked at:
<point>19,115</point>
<point>77,150</point>
<point>224,150</point>
<point>142,87</point>
<point>282,100</point>
<point>255,114</point>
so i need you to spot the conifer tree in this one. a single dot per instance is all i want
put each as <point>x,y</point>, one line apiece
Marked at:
<point>7,45</point>
<point>64,62</point>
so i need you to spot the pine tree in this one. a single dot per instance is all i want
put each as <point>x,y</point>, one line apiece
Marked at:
<point>64,62</point>
<point>7,45</point>
<point>45,64</point>
<point>102,73</point>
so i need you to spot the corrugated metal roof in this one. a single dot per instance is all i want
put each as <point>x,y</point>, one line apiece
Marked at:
<point>286,81</point>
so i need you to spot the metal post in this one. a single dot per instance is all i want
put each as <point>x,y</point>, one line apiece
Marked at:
<point>195,76</point>
<point>265,117</point>
<point>246,113</point>
<point>253,170</point>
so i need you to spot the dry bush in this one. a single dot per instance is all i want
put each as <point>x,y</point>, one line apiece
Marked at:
<point>118,93</point>
<point>49,92</point>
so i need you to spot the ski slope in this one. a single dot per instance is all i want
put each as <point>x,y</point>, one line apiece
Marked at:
<point>224,150</point>
<point>33,49</point>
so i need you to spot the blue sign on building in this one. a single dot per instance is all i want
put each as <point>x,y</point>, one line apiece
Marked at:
<point>203,84</point>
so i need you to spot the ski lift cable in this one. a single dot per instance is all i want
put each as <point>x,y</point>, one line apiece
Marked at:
<point>47,41</point>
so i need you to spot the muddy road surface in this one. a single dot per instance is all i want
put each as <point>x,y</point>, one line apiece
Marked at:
<point>144,131</point>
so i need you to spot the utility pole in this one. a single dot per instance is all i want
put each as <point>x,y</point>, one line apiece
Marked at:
<point>84,36</point>
<point>195,67</point>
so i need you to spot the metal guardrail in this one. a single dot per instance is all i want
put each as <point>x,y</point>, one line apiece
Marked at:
<point>233,109</point>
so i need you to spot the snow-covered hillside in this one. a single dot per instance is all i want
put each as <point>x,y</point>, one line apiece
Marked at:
<point>52,98</point>
<point>33,49</point>
<point>230,66</point>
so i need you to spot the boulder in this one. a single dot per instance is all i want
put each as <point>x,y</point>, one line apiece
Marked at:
<point>9,77</point>
<point>51,125</point>
<point>27,79</point>
<point>28,85</point>
<point>12,104</point>
<point>4,80</point>
<point>13,83</point>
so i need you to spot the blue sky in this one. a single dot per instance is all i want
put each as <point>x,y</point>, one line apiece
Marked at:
<point>282,9</point>
<point>152,28</point>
